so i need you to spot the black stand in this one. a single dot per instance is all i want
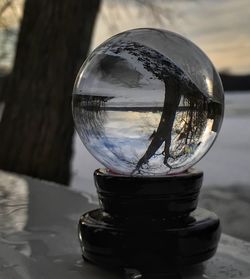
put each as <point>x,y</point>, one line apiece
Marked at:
<point>148,222</point>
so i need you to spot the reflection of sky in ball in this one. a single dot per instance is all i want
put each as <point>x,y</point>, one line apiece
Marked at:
<point>141,108</point>
<point>129,149</point>
<point>135,124</point>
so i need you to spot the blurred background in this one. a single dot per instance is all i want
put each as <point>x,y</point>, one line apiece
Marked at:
<point>43,44</point>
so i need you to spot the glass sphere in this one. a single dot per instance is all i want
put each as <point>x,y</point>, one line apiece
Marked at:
<point>148,102</point>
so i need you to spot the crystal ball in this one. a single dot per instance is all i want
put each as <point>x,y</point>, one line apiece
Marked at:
<point>148,102</point>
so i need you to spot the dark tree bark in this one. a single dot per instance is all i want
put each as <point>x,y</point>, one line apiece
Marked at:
<point>1,88</point>
<point>36,129</point>
<point>3,81</point>
<point>164,130</point>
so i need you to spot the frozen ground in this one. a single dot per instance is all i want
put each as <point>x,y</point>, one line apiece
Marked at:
<point>227,163</point>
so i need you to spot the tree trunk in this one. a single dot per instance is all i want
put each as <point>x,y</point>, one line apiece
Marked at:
<point>164,131</point>
<point>37,129</point>
<point>3,80</point>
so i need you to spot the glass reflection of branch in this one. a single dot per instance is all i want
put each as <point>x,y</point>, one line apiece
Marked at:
<point>191,122</point>
<point>184,114</point>
<point>180,127</point>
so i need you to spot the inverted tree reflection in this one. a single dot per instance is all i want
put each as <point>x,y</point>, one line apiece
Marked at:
<point>184,113</point>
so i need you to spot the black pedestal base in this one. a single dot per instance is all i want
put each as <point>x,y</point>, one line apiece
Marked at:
<point>148,223</point>
<point>149,244</point>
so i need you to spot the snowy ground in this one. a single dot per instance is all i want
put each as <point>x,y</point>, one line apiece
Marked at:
<point>227,163</point>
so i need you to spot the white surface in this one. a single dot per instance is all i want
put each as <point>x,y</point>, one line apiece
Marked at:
<point>38,237</point>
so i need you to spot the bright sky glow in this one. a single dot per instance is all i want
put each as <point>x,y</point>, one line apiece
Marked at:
<point>219,28</point>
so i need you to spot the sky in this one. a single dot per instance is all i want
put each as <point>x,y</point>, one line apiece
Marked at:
<point>220,28</point>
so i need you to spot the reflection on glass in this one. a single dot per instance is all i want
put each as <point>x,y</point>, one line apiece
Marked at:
<point>14,197</point>
<point>142,109</point>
